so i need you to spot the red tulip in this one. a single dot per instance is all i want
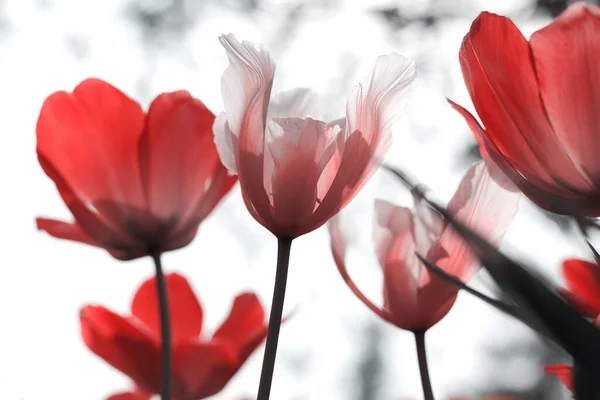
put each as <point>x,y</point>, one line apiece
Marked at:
<point>538,101</point>
<point>414,299</point>
<point>296,172</point>
<point>135,183</point>
<point>201,366</point>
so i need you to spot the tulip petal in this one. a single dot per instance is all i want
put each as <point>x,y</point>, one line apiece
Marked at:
<point>300,150</point>
<point>583,280</point>
<point>562,372</point>
<point>390,222</point>
<point>91,138</point>
<point>372,110</point>
<point>540,192</point>
<point>246,88</point>
<point>65,230</point>
<point>486,201</point>
<point>245,318</point>
<point>178,155</point>
<point>338,249</point>
<point>184,308</point>
<point>98,228</point>
<point>566,54</point>
<point>203,368</point>
<point>122,345</point>
<point>298,102</point>
<point>505,92</point>
<point>130,396</point>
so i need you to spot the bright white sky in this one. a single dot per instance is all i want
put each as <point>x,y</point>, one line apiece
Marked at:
<point>44,281</point>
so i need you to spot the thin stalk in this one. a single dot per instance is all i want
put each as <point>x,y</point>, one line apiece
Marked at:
<point>165,330</point>
<point>422,355</point>
<point>284,246</point>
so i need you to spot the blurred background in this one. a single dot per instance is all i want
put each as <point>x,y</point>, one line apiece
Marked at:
<point>333,348</point>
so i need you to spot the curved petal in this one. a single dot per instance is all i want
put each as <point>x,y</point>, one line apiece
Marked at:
<point>184,308</point>
<point>505,92</point>
<point>338,249</point>
<point>551,198</point>
<point>202,368</point>
<point>122,345</point>
<point>91,137</point>
<point>93,224</point>
<point>486,201</point>
<point>372,110</point>
<point>246,88</point>
<point>245,318</point>
<point>583,280</point>
<point>391,221</point>
<point>65,230</point>
<point>178,156</point>
<point>562,372</point>
<point>566,62</point>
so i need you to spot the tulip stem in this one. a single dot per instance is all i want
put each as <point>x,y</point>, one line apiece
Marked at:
<point>284,246</point>
<point>165,330</point>
<point>422,355</point>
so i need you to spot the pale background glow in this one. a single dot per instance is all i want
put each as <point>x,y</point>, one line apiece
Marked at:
<point>333,348</point>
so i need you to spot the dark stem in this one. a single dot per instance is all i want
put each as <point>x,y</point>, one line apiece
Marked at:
<point>422,354</point>
<point>284,246</point>
<point>165,330</point>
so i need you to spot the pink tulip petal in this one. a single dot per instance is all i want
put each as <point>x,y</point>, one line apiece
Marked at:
<point>373,108</point>
<point>486,201</point>
<point>390,222</point>
<point>338,249</point>
<point>300,150</point>
<point>246,88</point>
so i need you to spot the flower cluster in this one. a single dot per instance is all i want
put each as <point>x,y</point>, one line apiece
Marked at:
<point>141,183</point>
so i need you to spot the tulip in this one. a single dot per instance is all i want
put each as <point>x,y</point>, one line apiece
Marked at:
<point>415,300</point>
<point>295,171</point>
<point>538,102</point>
<point>202,365</point>
<point>136,183</point>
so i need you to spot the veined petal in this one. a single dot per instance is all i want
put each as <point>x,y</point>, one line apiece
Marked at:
<point>246,87</point>
<point>373,107</point>
<point>566,63</point>
<point>486,201</point>
<point>226,142</point>
<point>505,92</point>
